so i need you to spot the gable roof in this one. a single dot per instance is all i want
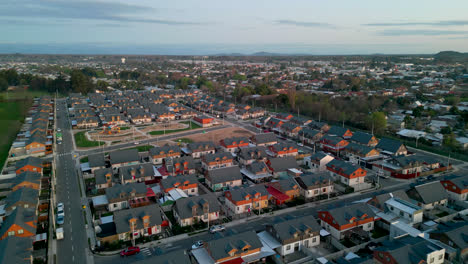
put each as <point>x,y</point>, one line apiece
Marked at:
<point>170,182</point>
<point>389,145</point>
<point>96,160</point>
<point>337,131</point>
<point>253,153</point>
<point>26,195</point>
<point>361,137</point>
<point>16,250</point>
<point>240,193</point>
<point>115,191</point>
<point>282,164</point>
<point>184,206</point>
<point>140,170</point>
<point>122,217</point>
<point>31,161</point>
<point>163,150</point>
<point>456,232</point>
<point>342,215</point>
<point>123,156</point>
<point>358,148</point>
<point>20,216</point>
<point>408,249</point>
<point>225,174</point>
<point>217,156</point>
<point>264,138</point>
<point>287,228</point>
<point>220,248</point>
<point>428,192</point>
<point>307,180</point>
<point>100,175</point>
<point>342,166</point>
<point>27,176</point>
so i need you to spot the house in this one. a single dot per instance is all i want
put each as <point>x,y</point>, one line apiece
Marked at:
<point>191,210</point>
<point>257,172</point>
<point>119,196</point>
<point>409,250</point>
<point>378,201</point>
<point>347,173</point>
<point>318,161</point>
<point>391,147</point>
<point>290,129</point>
<point>198,149</point>
<point>217,160</point>
<point>315,184</point>
<point>310,136</point>
<point>103,178</point>
<point>23,197</point>
<point>87,121</point>
<point>280,166</point>
<point>266,139</point>
<point>283,150</point>
<point>364,138</point>
<point>139,116</point>
<point>20,223</point>
<point>249,155</point>
<point>186,183</point>
<point>428,195</point>
<point>31,164</point>
<point>343,221</point>
<point>139,222</point>
<point>283,191</point>
<point>203,121</point>
<point>284,116</point>
<point>360,154</point>
<point>295,234</point>
<point>96,162</point>
<point>178,166</point>
<point>333,144</point>
<point>124,158</point>
<point>234,248</point>
<point>136,173</point>
<point>224,178</point>
<point>453,235</point>
<point>457,188</point>
<point>26,179</point>
<point>158,154</point>
<point>301,121</point>
<point>396,208</point>
<point>411,166</point>
<point>322,126</point>
<point>243,200</point>
<point>16,250</point>
<point>234,143</point>
<point>340,132</point>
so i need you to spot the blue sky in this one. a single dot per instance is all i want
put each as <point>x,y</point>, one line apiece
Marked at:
<point>206,26</point>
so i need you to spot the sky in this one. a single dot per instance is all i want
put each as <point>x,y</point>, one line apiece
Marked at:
<point>190,27</point>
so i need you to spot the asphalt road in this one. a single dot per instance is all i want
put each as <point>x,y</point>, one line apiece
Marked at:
<point>72,248</point>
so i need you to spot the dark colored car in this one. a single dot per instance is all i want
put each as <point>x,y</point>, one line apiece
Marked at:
<point>129,251</point>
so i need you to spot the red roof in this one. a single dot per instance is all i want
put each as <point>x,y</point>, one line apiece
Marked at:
<point>234,261</point>
<point>150,192</point>
<point>277,194</point>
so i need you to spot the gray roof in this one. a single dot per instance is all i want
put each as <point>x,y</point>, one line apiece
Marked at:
<point>256,167</point>
<point>317,156</point>
<point>115,191</point>
<point>283,164</point>
<point>179,256</point>
<point>201,146</point>
<point>337,131</point>
<point>253,153</point>
<point>225,174</point>
<point>345,167</point>
<point>16,250</point>
<point>358,148</point>
<point>217,156</point>
<point>182,160</point>
<point>140,171</point>
<point>20,216</point>
<point>265,138</point>
<point>461,182</point>
<point>428,193</point>
<point>184,206</point>
<point>456,232</point>
<point>33,161</point>
<point>382,198</point>
<point>164,150</point>
<point>415,159</point>
<point>26,195</point>
<point>172,181</point>
<point>333,140</point>
<point>408,249</point>
<point>241,193</point>
<point>307,180</point>
<point>96,160</point>
<point>122,217</point>
<point>283,146</point>
<point>236,140</point>
<point>309,133</point>
<point>361,137</point>
<point>389,145</point>
<point>100,175</point>
<point>220,248</point>
<point>123,156</point>
<point>287,228</point>
<point>27,176</point>
<point>342,215</point>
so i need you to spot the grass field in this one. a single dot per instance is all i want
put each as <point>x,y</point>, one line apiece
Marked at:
<point>184,140</point>
<point>142,148</point>
<point>82,142</point>
<point>12,114</point>
<point>21,95</point>
<point>161,132</point>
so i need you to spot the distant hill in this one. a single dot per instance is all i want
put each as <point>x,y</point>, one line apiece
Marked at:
<point>451,56</point>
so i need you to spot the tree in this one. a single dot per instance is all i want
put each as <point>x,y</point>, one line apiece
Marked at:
<point>377,121</point>
<point>3,84</point>
<point>80,83</point>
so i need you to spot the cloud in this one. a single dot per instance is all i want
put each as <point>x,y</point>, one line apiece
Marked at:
<point>420,32</point>
<point>83,10</point>
<point>445,23</point>
<point>303,24</point>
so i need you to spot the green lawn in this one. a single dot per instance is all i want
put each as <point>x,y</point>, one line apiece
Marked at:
<point>84,160</point>
<point>142,148</point>
<point>184,140</point>
<point>82,142</point>
<point>161,132</point>
<point>124,128</point>
<point>12,114</point>
<point>19,95</point>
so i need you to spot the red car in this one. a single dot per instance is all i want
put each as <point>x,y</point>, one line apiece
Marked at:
<point>129,251</point>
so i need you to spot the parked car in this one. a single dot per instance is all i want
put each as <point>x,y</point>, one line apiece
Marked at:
<point>60,209</point>
<point>300,144</point>
<point>60,219</point>
<point>217,228</point>
<point>197,244</point>
<point>430,177</point>
<point>129,251</point>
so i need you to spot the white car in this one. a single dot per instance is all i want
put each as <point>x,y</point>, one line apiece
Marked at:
<point>197,244</point>
<point>217,228</point>
<point>300,144</point>
<point>136,142</point>
<point>60,209</point>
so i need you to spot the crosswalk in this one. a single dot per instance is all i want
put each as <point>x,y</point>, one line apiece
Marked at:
<point>146,251</point>
<point>64,154</point>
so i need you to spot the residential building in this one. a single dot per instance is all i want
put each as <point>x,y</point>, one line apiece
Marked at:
<point>217,160</point>
<point>16,250</point>
<point>409,250</point>
<point>198,149</point>
<point>318,161</point>
<point>257,172</point>
<point>178,166</point>
<point>333,144</point>
<point>186,183</point>
<point>310,136</point>
<point>122,196</point>
<point>136,173</point>
<point>280,166</point>
<point>26,179</point>
<point>22,197</point>
<point>391,147</point>
<point>233,144</point>
<point>453,235</point>
<point>125,157</point>
<point>360,154</point>
<point>224,178</point>
<point>252,154</point>
<point>347,173</point>
<point>22,222</point>
<point>340,132</point>
<point>191,210</point>
<point>283,191</point>
<point>457,188</point>
<point>96,162</point>
<point>364,138</point>
<point>243,200</point>
<point>283,150</point>
<point>158,154</point>
<point>428,195</point>
<point>236,247</point>
<point>31,164</point>
<point>265,139</point>
<point>203,121</point>
<point>139,222</point>
<point>315,184</point>
<point>103,178</point>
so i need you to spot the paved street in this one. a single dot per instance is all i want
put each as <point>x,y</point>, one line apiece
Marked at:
<point>72,249</point>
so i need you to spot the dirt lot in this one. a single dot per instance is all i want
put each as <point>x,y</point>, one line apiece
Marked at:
<point>170,126</point>
<point>217,135</point>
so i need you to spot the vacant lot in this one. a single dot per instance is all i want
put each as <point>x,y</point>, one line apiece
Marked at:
<point>162,132</point>
<point>12,114</point>
<point>82,142</point>
<point>217,135</point>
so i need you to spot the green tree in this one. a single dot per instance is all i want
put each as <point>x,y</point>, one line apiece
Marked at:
<point>80,83</point>
<point>3,84</point>
<point>377,121</point>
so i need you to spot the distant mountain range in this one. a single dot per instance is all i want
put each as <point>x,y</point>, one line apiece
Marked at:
<point>451,56</point>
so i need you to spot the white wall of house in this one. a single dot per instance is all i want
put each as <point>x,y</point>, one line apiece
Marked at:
<point>290,248</point>
<point>117,206</point>
<point>317,191</point>
<point>436,257</point>
<point>340,234</point>
<point>456,196</point>
<point>201,153</point>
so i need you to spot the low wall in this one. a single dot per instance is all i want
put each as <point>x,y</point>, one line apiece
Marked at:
<point>419,174</point>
